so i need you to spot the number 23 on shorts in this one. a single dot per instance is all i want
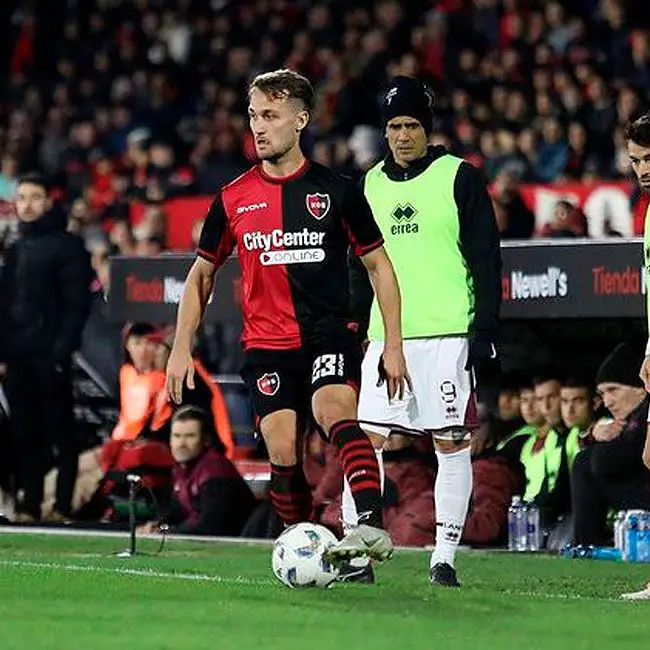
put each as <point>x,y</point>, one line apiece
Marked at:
<point>327,365</point>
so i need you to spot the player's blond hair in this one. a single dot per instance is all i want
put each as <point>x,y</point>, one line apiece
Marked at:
<point>285,84</point>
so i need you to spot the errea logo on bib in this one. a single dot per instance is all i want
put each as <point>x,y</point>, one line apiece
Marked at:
<point>279,247</point>
<point>403,216</point>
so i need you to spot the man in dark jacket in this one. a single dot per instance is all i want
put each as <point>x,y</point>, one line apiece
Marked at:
<point>209,495</point>
<point>44,302</point>
<point>610,473</point>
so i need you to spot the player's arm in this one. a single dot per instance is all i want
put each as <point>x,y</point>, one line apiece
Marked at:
<point>384,282</point>
<point>215,245</point>
<point>646,448</point>
<point>480,245</point>
<point>367,243</point>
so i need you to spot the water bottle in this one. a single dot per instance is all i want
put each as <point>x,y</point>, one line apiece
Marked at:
<point>619,532</point>
<point>582,552</point>
<point>533,531</point>
<point>632,535</point>
<point>643,542</point>
<point>521,519</point>
<point>604,553</point>
<point>512,522</point>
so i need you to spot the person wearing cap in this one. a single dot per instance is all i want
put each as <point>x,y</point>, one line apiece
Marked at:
<point>439,227</point>
<point>610,474</point>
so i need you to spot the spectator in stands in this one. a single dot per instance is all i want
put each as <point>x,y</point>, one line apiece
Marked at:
<point>518,222</point>
<point>121,238</point>
<point>209,496</point>
<point>610,474</point>
<point>568,221</point>
<point>44,303</point>
<point>8,177</point>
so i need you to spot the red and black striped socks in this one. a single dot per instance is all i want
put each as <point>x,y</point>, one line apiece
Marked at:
<point>290,494</point>
<point>359,463</point>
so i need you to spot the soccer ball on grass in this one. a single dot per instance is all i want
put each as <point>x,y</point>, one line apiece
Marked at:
<point>299,556</point>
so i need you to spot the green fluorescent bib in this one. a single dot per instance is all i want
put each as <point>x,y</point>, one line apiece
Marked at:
<point>419,221</point>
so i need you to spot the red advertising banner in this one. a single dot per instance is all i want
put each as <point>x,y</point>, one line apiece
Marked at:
<point>606,204</point>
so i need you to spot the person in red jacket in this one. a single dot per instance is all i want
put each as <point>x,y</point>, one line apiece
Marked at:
<point>209,496</point>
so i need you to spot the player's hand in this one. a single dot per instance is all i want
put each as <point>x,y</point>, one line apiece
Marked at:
<point>392,370</point>
<point>179,368</point>
<point>645,373</point>
<point>3,370</point>
<point>483,358</point>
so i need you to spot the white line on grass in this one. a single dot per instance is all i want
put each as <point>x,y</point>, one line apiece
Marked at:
<point>141,573</point>
<point>250,582</point>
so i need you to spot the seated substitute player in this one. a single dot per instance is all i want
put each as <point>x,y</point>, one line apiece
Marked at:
<point>292,221</point>
<point>441,234</point>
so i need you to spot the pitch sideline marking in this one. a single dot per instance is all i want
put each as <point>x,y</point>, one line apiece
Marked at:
<point>141,573</point>
<point>251,582</point>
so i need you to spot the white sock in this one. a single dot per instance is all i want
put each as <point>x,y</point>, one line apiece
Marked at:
<point>349,508</point>
<point>452,494</point>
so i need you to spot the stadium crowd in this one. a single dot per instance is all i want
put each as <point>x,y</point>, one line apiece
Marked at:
<point>120,100</point>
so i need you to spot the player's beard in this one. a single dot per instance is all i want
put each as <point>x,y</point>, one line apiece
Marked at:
<point>274,156</point>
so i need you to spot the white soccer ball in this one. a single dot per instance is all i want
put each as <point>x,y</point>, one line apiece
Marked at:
<point>299,556</point>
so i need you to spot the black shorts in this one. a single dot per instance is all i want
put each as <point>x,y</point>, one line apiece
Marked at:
<point>287,379</point>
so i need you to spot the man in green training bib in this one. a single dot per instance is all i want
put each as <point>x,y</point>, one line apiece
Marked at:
<point>439,227</point>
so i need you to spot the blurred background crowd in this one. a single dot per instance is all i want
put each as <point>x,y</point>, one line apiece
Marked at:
<point>124,100</point>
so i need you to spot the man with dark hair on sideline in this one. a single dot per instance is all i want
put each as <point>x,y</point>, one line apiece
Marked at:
<point>441,234</point>
<point>637,138</point>
<point>44,303</point>
<point>292,222</point>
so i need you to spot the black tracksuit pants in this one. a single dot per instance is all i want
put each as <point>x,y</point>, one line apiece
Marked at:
<point>40,399</point>
<point>594,492</point>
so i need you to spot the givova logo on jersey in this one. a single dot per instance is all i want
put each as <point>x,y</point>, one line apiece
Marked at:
<point>403,215</point>
<point>280,247</point>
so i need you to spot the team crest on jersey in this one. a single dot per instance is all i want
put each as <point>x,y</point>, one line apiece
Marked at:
<point>268,383</point>
<point>318,204</point>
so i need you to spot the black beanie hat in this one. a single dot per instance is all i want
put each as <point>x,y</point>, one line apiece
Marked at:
<point>408,96</point>
<point>621,367</point>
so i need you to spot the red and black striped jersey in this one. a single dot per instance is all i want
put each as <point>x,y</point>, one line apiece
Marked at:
<point>292,236</point>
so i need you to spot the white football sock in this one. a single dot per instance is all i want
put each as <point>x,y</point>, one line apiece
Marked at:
<point>349,509</point>
<point>452,494</point>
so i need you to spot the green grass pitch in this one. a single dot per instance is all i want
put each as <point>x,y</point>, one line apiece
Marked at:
<point>69,593</point>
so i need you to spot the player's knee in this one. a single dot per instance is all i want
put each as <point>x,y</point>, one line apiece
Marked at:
<point>451,440</point>
<point>376,439</point>
<point>279,434</point>
<point>331,405</point>
<point>281,451</point>
<point>329,413</point>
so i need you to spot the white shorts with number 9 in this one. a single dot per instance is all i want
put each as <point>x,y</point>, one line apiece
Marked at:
<point>443,392</point>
